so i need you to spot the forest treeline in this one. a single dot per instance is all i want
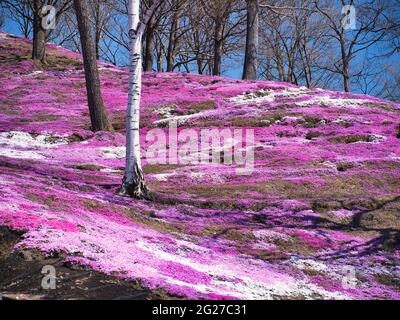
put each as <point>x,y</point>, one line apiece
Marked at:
<point>298,41</point>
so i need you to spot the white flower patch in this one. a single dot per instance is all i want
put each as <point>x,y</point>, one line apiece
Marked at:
<point>110,170</point>
<point>3,36</point>
<point>110,68</point>
<point>258,291</point>
<point>330,164</point>
<point>34,74</point>
<point>25,140</point>
<point>165,111</point>
<point>291,120</point>
<point>345,274</point>
<point>196,176</point>
<point>351,119</point>
<point>343,213</point>
<point>19,145</point>
<point>394,156</point>
<point>335,102</point>
<point>114,152</point>
<point>308,264</point>
<point>163,177</point>
<point>168,117</point>
<point>268,95</point>
<point>218,178</point>
<point>269,235</point>
<point>179,119</point>
<point>375,138</point>
<point>21,154</point>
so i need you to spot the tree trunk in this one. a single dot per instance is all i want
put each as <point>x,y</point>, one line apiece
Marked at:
<point>149,52</point>
<point>150,44</point>
<point>251,55</point>
<point>133,183</point>
<point>346,77</point>
<point>97,45</point>
<point>172,43</point>
<point>160,57</point>
<point>346,83</point>
<point>218,48</point>
<point>200,68</point>
<point>345,64</point>
<point>98,114</point>
<point>39,33</point>
<point>97,30</point>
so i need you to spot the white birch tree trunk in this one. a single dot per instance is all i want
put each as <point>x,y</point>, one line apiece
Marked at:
<point>134,183</point>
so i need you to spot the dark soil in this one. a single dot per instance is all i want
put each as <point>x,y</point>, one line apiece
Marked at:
<point>21,278</point>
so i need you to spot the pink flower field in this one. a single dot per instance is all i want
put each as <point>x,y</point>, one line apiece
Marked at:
<point>318,218</point>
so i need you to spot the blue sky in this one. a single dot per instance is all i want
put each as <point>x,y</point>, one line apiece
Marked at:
<point>232,67</point>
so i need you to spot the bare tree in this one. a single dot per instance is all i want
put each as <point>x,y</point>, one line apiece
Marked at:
<point>66,33</point>
<point>391,86</point>
<point>226,16</point>
<point>393,16</point>
<point>293,43</point>
<point>20,12</point>
<point>195,40</point>
<point>114,46</point>
<point>297,41</point>
<point>101,11</point>
<point>98,114</point>
<point>371,28</point>
<point>173,38</point>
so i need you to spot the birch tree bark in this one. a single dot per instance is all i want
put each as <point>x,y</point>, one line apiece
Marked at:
<point>134,184</point>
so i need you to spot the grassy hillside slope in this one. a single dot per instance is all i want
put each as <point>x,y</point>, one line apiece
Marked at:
<point>319,217</point>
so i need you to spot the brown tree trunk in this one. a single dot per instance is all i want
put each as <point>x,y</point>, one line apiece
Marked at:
<point>218,48</point>
<point>97,45</point>
<point>199,66</point>
<point>98,114</point>
<point>97,30</point>
<point>172,43</point>
<point>251,56</point>
<point>150,44</point>
<point>346,77</point>
<point>345,65</point>
<point>160,57</point>
<point>39,34</point>
<point>149,51</point>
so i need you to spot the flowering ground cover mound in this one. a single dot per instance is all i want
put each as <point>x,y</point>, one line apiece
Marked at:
<point>21,272</point>
<point>318,218</point>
